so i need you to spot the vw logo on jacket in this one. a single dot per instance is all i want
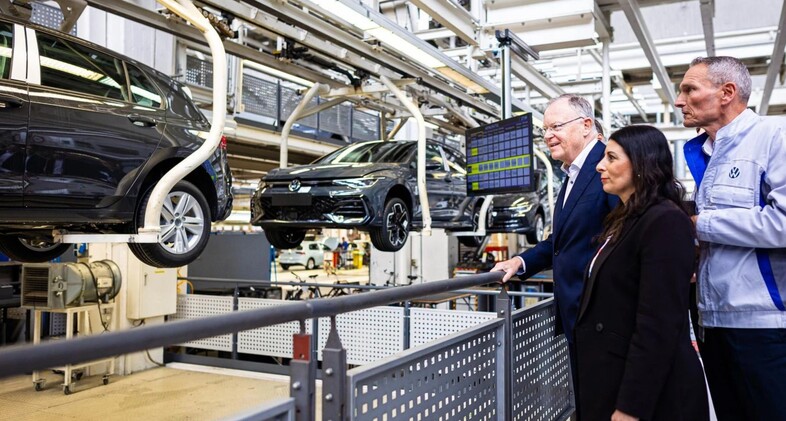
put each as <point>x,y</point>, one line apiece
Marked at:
<point>734,172</point>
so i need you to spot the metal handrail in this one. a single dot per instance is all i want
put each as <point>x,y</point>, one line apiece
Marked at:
<point>26,358</point>
<point>251,282</point>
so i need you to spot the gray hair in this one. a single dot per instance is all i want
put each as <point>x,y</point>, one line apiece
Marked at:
<point>578,104</point>
<point>723,69</point>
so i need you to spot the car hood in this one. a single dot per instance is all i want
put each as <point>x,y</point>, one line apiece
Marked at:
<point>328,171</point>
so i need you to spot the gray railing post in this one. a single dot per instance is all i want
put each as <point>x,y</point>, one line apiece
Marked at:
<point>302,379</point>
<point>407,323</point>
<point>334,377</point>
<point>504,356</point>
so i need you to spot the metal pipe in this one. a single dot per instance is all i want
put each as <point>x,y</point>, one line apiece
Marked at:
<point>507,90</point>
<point>399,125</point>
<point>549,183</point>
<point>23,359</point>
<point>422,194</point>
<point>189,12</point>
<point>283,156</point>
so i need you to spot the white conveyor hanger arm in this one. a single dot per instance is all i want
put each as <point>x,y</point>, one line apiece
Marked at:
<point>186,10</point>
<point>295,116</point>
<point>422,194</point>
<point>550,182</point>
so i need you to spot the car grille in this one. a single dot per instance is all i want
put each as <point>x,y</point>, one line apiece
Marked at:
<point>352,208</point>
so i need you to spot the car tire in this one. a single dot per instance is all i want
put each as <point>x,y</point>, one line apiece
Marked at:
<point>310,264</point>
<point>28,251</point>
<point>394,231</point>
<point>539,225</point>
<point>185,228</point>
<point>285,239</point>
<point>285,266</point>
<point>477,240</point>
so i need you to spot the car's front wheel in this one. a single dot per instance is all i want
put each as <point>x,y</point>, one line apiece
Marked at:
<point>185,228</point>
<point>30,250</point>
<point>393,233</point>
<point>285,239</point>
<point>539,226</point>
<point>476,241</point>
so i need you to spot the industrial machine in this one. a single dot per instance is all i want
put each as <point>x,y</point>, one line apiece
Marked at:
<point>61,285</point>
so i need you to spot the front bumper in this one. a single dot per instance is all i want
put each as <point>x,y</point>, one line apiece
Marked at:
<point>319,207</point>
<point>507,220</point>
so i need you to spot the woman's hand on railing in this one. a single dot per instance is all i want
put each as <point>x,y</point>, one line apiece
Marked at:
<point>510,267</point>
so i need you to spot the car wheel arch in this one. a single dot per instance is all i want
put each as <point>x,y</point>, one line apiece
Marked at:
<point>402,193</point>
<point>198,177</point>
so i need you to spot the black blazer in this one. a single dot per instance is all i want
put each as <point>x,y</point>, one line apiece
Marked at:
<point>632,337</point>
<point>572,243</point>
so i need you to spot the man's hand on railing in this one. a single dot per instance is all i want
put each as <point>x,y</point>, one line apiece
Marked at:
<point>510,267</point>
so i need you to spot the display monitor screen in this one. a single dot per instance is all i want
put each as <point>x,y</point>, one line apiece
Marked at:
<point>499,157</point>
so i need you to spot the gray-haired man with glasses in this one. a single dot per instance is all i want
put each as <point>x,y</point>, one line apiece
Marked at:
<point>579,211</point>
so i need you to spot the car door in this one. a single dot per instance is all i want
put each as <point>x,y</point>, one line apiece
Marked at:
<point>457,174</point>
<point>14,109</point>
<point>438,185</point>
<point>88,135</point>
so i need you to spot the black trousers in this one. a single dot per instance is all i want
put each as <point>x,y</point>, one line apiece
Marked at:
<point>746,372</point>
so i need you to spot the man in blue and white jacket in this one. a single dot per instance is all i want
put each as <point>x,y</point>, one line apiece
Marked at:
<point>739,165</point>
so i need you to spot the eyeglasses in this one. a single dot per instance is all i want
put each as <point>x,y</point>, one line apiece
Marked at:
<point>554,128</point>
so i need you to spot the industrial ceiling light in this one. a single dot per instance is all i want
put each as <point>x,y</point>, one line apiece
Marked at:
<point>372,29</point>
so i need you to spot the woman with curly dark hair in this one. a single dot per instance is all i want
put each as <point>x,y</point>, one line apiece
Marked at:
<point>634,355</point>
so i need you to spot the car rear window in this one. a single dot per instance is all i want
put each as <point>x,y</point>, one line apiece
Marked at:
<point>376,152</point>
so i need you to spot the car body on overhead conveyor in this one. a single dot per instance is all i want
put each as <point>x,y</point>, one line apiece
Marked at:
<point>369,186</point>
<point>525,213</point>
<point>85,134</point>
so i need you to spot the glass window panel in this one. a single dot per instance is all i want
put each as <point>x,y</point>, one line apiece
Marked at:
<point>67,65</point>
<point>143,91</point>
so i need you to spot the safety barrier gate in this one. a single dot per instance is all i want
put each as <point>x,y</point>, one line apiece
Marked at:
<point>511,367</point>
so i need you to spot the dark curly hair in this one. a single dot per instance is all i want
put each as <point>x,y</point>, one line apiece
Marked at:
<point>653,176</point>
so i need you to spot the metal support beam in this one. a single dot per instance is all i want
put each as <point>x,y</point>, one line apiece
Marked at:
<point>606,90</point>
<point>626,89</point>
<point>321,107</point>
<point>707,14</point>
<point>71,9</point>
<point>399,125</point>
<point>182,30</point>
<point>452,69</point>
<point>297,16</point>
<point>776,62</point>
<point>633,14</point>
<point>452,16</point>
<point>535,79</point>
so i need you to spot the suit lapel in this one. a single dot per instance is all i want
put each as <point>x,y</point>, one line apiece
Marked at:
<point>589,283</point>
<point>586,174</point>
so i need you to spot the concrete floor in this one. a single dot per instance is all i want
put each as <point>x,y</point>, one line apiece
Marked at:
<point>175,392</point>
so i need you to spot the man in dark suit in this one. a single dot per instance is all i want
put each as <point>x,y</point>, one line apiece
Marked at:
<point>579,210</point>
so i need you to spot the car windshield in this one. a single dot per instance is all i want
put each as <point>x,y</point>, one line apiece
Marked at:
<point>375,152</point>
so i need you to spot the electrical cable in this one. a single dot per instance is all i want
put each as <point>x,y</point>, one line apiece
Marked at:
<point>98,302</point>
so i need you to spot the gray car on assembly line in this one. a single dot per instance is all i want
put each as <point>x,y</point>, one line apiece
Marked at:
<point>369,186</point>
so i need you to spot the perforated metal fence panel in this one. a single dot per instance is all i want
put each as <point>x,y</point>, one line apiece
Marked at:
<point>365,126</point>
<point>260,96</point>
<point>48,16</point>
<point>451,379</point>
<point>199,72</point>
<point>193,306</point>
<point>367,335</point>
<point>428,324</point>
<point>541,371</point>
<point>336,119</point>
<point>275,340</point>
<point>289,101</point>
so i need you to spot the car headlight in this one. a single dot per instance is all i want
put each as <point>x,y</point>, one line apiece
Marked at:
<point>522,209</point>
<point>357,183</point>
